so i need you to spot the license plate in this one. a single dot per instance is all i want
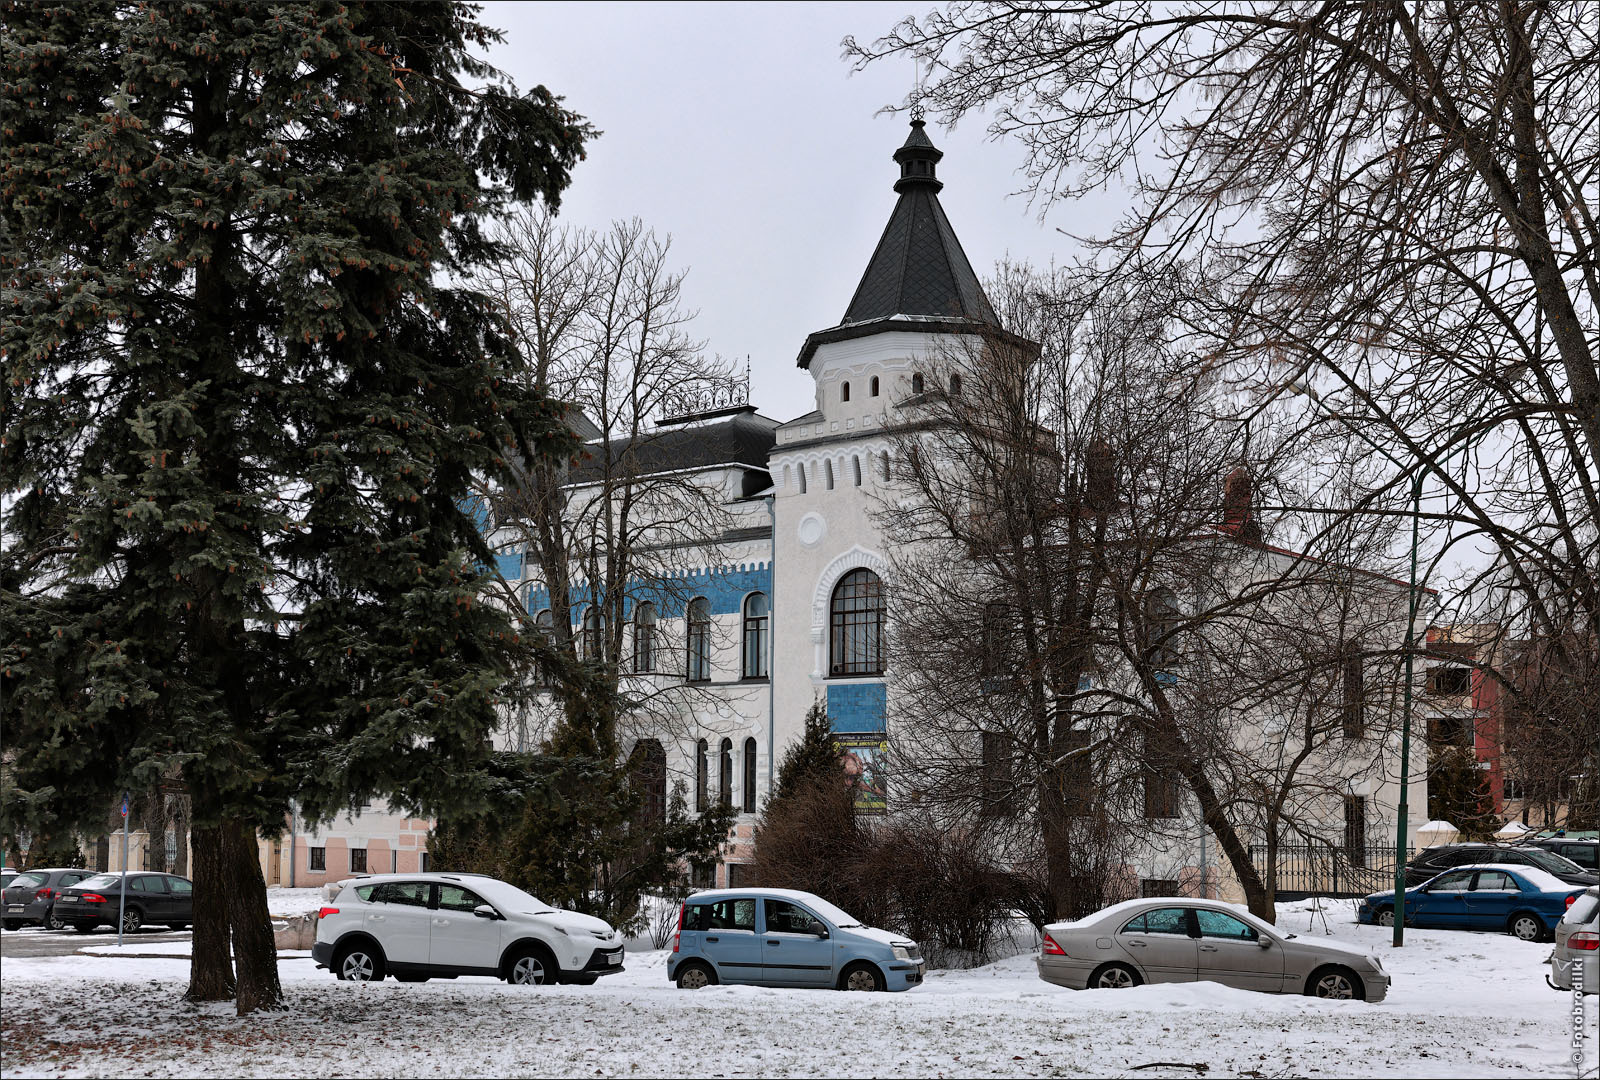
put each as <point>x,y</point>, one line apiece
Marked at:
<point>17,907</point>
<point>614,958</point>
<point>69,896</point>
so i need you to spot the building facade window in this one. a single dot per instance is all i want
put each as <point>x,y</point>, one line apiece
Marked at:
<point>884,463</point>
<point>916,383</point>
<point>749,776</point>
<point>649,768</point>
<point>1159,887</point>
<point>544,625</point>
<point>857,625</point>
<point>1450,680</point>
<point>994,657</point>
<point>644,638</point>
<point>1354,713</point>
<point>1160,794</point>
<point>590,637</point>
<point>757,618</point>
<point>1355,829</point>
<point>358,860</point>
<point>995,774</point>
<point>702,775</point>
<point>827,474</point>
<point>697,666</point>
<point>874,386</point>
<point>318,857</point>
<point>1077,774</point>
<point>955,384</point>
<point>426,863</point>
<point>801,473</point>
<point>725,772</point>
<point>740,875</point>
<point>855,466</point>
<point>844,394</point>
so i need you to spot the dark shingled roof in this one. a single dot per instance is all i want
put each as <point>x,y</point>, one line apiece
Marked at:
<point>745,438</point>
<point>918,269</point>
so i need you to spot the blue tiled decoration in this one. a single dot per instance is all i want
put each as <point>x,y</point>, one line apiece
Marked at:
<point>724,586</point>
<point>510,566</point>
<point>858,706</point>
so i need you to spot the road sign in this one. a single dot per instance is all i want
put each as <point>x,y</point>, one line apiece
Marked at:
<point>124,807</point>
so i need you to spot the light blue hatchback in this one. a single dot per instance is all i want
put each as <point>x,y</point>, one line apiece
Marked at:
<point>780,937</point>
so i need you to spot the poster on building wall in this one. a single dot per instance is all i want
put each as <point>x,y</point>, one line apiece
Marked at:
<point>865,757</point>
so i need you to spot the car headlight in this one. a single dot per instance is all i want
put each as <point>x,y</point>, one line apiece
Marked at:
<point>901,953</point>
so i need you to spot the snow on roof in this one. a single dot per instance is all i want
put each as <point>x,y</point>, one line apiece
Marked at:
<point>1542,880</point>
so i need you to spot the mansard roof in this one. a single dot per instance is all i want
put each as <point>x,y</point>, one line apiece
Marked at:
<point>918,276</point>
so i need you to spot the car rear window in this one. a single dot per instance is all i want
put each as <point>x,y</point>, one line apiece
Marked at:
<point>1583,909</point>
<point>101,881</point>
<point>28,881</point>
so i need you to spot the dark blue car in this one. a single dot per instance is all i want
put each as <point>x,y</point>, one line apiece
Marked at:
<point>1520,900</point>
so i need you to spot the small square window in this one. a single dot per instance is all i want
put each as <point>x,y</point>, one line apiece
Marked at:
<point>1159,887</point>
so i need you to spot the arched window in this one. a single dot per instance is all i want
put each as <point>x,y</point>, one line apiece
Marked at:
<point>589,641</point>
<point>749,776</point>
<point>874,386</point>
<point>916,383</point>
<point>955,384</point>
<point>827,472</point>
<point>844,393</point>
<point>884,460</point>
<point>725,772</point>
<point>702,777</point>
<point>855,465</point>
<point>698,637</point>
<point>648,766</point>
<point>857,625</point>
<point>757,616</point>
<point>802,474</point>
<point>644,637</point>
<point>544,625</point>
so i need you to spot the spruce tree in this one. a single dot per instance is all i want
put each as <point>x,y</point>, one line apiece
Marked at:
<point>243,399</point>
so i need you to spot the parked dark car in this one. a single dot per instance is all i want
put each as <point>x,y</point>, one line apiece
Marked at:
<point>30,899</point>
<point>1586,853</point>
<point>161,899</point>
<point>1431,862</point>
<point>1519,900</point>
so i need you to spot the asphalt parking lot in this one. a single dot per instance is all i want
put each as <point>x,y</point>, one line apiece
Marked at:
<point>32,941</point>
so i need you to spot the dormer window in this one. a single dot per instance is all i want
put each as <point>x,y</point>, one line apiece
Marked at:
<point>874,386</point>
<point>844,394</point>
<point>916,383</point>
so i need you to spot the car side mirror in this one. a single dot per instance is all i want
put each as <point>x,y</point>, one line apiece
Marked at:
<point>1264,942</point>
<point>484,911</point>
<point>815,927</point>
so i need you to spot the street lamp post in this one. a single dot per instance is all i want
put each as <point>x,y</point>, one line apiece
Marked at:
<point>1405,729</point>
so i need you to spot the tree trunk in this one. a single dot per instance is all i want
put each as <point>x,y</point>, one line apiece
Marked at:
<point>255,953</point>
<point>210,966</point>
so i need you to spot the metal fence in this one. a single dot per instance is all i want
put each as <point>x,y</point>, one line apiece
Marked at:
<point>1305,870</point>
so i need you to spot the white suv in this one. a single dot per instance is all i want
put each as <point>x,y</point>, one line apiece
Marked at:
<point>421,926</point>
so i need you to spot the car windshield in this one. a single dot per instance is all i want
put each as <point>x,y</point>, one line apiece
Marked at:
<point>506,895</point>
<point>100,881</point>
<point>1549,860</point>
<point>837,916</point>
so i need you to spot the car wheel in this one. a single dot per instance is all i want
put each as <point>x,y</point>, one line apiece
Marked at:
<point>359,962</point>
<point>1385,917</point>
<point>860,977</point>
<point>53,921</point>
<point>12,924</point>
<point>1525,927</point>
<point>1114,977</point>
<point>532,967</point>
<point>1340,984</point>
<point>694,976</point>
<point>132,920</point>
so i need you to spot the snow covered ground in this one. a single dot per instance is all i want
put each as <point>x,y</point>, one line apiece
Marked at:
<point>1462,1005</point>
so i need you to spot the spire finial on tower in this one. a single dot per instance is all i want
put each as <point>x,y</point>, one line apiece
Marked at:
<point>918,157</point>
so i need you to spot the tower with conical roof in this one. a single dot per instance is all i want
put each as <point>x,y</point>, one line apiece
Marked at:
<point>916,305</point>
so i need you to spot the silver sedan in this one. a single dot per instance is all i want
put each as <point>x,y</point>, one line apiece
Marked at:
<point>1179,939</point>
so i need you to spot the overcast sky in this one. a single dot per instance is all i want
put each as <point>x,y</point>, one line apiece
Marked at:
<point>739,130</point>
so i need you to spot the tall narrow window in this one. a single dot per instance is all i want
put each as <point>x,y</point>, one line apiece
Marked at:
<point>827,473</point>
<point>648,768</point>
<point>916,383</point>
<point>1355,693</point>
<point>1160,787</point>
<point>1077,774</point>
<point>855,465</point>
<point>544,625</point>
<point>589,639</point>
<point>1355,829</point>
<point>757,616</point>
<point>844,394</point>
<point>884,460</point>
<point>698,637</point>
<point>702,775</point>
<point>725,772</point>
<point>644,637</point>
<point>995,657</point>
<point>874,386</point>
<point>857,625</point>
<point>749,776</point>
<point>1164,617</point>
<point>801,473</point>
<point>995,774</point>
<point>955,385</point>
